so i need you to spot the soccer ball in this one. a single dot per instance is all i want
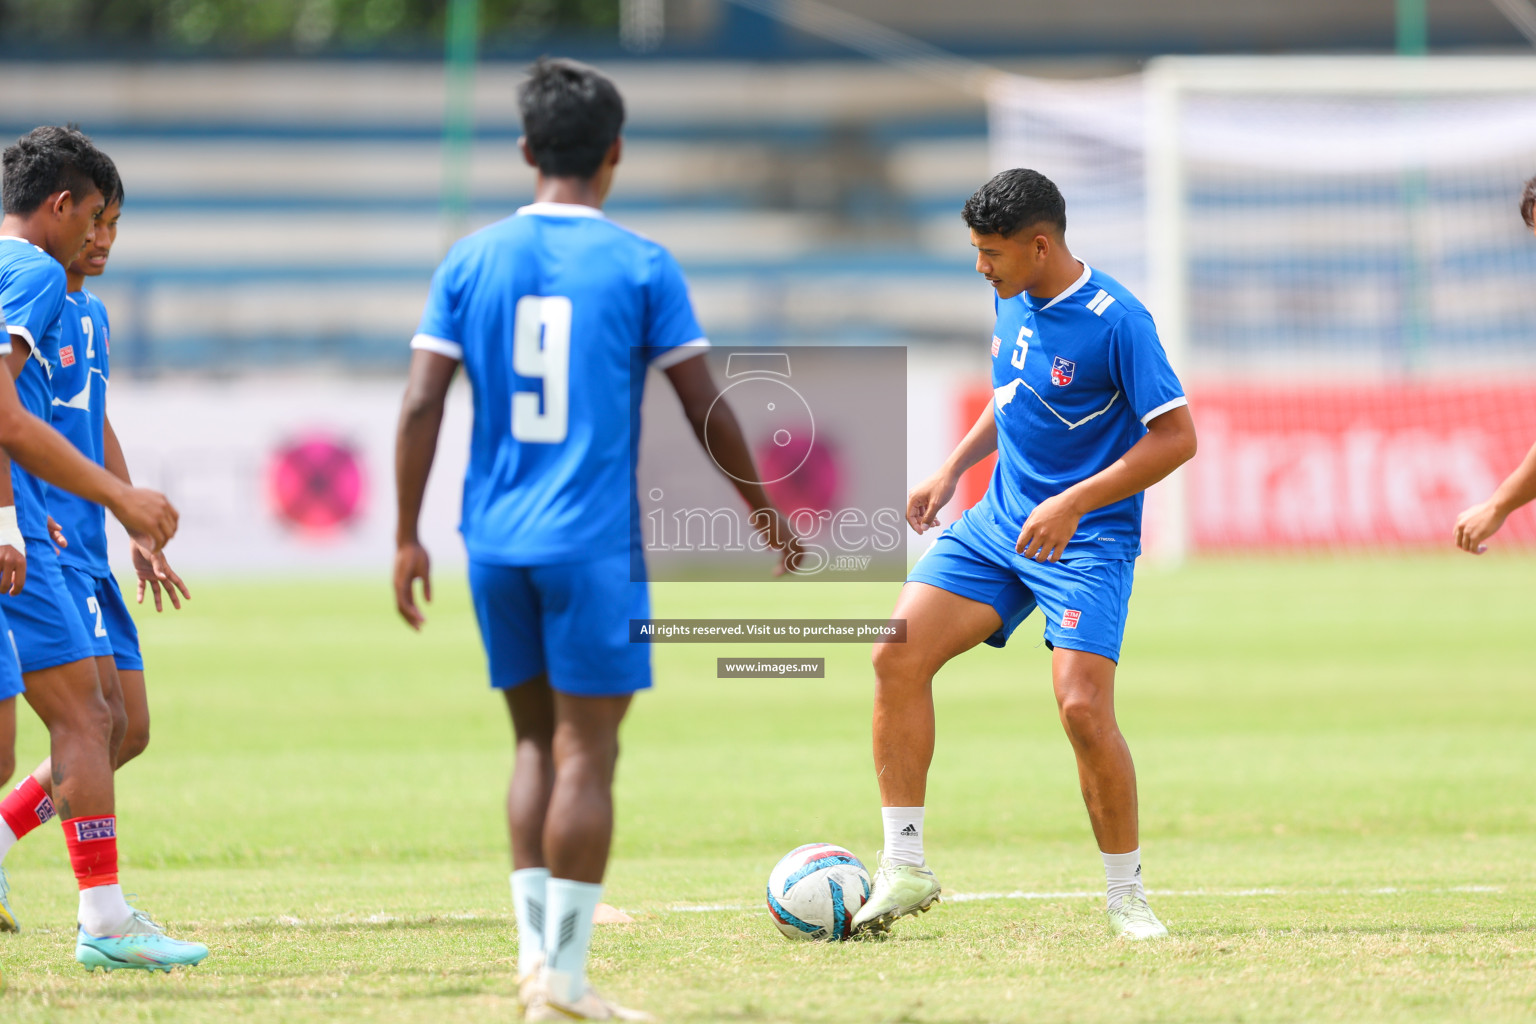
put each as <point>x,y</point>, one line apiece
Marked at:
<point>815,890</point>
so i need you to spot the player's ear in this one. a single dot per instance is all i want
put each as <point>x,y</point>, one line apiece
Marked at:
<point>522,145</point>
<point>615,152</point>
<point>59,202</point>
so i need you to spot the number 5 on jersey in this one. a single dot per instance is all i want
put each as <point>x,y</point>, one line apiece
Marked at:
<point>541,347</point>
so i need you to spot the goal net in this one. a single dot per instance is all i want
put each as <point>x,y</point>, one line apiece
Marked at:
<point>1333,251</point>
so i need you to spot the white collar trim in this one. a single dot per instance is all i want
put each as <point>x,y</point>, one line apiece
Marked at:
<point>1071,289</point>
<point>560,210</point>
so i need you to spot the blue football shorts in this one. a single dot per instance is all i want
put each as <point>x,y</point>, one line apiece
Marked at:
<point>569,621</point>
<point>1084,600</point>
<point>11,684</point>
<point>105,614</point>
<point>47,630</point>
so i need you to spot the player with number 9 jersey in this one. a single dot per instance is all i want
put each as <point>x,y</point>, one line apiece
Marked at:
<point>573,298</point>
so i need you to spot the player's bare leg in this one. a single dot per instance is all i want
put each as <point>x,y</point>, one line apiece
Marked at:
<point>578,831</point>
<point>71,702</point>
<point>1085,698</point>
<point>7,739</point>
<point>32,805</point>
<point>136,713</point>
<point>112,694</point>
<point>532,707</point>
<point>940,625</point>
<point>579,826</point>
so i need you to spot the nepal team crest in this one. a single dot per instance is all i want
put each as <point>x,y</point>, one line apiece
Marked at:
<point>1061,371</point>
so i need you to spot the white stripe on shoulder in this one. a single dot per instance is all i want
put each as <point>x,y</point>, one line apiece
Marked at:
<point>681,353</point>
<point>1071,289</point>
<point>1165,407</point>
<point>442,346</point>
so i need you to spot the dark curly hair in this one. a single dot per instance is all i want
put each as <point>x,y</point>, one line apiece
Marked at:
<point>1014,200</point>
<point>51,159</point>
<point>571,115</point>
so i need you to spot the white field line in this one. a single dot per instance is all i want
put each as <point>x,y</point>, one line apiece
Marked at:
<point>1019,894</point>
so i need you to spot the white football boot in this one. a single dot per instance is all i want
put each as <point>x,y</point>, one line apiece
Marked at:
<point>1133,920</point>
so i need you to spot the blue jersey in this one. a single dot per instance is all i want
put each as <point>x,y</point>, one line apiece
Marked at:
<point>32,287</point>
<point>551,311</point>
<point>79,413</point>
<point>1075,381</point>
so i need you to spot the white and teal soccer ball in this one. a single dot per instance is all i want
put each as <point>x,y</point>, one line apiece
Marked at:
<point>815,890</point>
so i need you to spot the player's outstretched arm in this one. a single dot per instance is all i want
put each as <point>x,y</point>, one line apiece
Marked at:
<point>1168,444</point>
<point>1482,521</point>
<point>148,561</point>
<point>928,497</point>
<point>696,389</point>
<point>48,455</point>
<point>421,418</point>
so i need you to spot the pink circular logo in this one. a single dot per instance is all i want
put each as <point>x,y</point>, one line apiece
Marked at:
<point>317,484</point>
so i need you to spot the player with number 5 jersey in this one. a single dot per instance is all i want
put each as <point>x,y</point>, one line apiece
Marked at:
<point>1086,415</point>
<point>556,314</point>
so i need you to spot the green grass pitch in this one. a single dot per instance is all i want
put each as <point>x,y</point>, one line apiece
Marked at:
<point>1338,783</point>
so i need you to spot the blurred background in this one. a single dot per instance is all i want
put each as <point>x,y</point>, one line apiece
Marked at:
<point>1333,250</point>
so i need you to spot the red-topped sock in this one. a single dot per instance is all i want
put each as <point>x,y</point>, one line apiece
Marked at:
<point>92,844</point>
<point>25,808</point>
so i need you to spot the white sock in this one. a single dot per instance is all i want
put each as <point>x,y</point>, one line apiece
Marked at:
<point>103,911</point>
<point>903,835</point>
<point>7,840</point>
<point>1122,875</point>
<point>528,900</point>
<point>567,935</point>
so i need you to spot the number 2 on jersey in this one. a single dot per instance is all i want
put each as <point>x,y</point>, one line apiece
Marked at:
<point>94,607</point>
<point>541,347</point>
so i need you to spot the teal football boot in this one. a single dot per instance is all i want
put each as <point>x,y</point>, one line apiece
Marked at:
<point>142,946</point>
<point>7,919</point>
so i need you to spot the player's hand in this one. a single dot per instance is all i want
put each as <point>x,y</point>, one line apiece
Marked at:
<point>412,564</point>
<point>148,514</point>
<point>927,498</point>
<point>774,529</point>
<point>1477,524</point>
<point>57,533</point>
<point>1048,528</point>
<point>156,574</point>
<point>13,570</point>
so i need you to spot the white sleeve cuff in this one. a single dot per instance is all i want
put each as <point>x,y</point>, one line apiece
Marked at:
<point>680,354</point>
<point>21,331</point>
<point>1165,407</point>
<point>442,346</point>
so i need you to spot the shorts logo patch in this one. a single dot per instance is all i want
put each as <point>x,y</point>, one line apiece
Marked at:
<point>95,828</point>
<point>1062,371</point>
<point>1070,618</point>
<point>67,355</point>
<point>997,343</point>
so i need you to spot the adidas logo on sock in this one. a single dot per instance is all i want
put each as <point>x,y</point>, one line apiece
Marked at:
<point>910,830</point>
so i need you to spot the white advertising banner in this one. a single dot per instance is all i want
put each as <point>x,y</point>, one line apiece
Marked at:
<point>282,475</point>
